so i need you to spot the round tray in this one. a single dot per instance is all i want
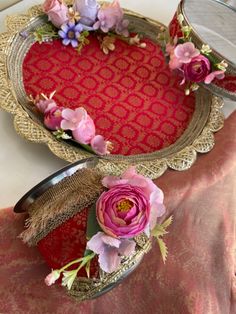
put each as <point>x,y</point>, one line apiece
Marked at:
<point>162,103</point>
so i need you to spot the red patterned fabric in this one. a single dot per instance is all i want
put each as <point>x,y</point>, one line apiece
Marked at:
<point>228,83</point>
<point>199,275</point>
<point>67,243</point>
<point>134,99</point>
<point>174,27</point>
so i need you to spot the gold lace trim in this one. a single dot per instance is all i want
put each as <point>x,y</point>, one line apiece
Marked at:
<point>198,138</point>
<point>88,288</point>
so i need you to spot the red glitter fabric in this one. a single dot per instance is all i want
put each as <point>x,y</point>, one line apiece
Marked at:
<point>134,99</point>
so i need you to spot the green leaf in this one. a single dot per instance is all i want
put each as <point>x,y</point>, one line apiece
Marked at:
<point>158,231</point>
<point>87,269</point>
<point>167,223</point>
<point>163,249</point>
<point>92,224</point>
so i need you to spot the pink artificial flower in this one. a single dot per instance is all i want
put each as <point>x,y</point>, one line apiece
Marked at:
<point>219,75</point>
<point>197,70</point>
<point>110,16</point>
<point>110,250</point>
<point>85,131</point>
<point>99,145</point>
<point>186,52</point>
<point>88,10</point>
<point>123,211</point>
<point>72,119</point>
<point>174,62</point>
<point>56,11</point>
<point>53,118</point>
<point>52,277</point>
<point>170,48</point>
<point>44,105</point>
<point>151,191</point>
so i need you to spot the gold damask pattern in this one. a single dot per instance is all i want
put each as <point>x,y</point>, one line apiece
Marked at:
<point>198,138</point>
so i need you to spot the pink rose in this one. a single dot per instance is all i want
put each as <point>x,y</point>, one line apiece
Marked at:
<point>53,118</point>
<point>197,70</point>
<point>56,11</point>
<point>150,190</point>
<point>123,211</point>
<point>85,132</point>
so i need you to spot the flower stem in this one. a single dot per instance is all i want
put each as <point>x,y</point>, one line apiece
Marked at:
<point>83,260</point>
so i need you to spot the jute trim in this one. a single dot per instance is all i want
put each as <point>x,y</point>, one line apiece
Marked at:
<point>60,203</point>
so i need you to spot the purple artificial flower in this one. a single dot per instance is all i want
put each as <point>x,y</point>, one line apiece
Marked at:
<point>110,250</point>
<point>70,33</point>
<point>24,34</point>
<point>88,10</point>
<point>110,16</point>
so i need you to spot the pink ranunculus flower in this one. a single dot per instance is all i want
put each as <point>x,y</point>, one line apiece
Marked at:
<point>186,52</point>
<point>88,10</point>
<point>110,16</point>
<point>123,211</point>
<point>72,119</point>
<point>149,188</point>
<point>219,75</point>
<point>44,105</point>
<point>53,118</point>
<point>85,132</point>
<point>197,70</point>
<point>56,11</point>
<point>52,277</point>
<point>99,145</point>
<point>110,250</point>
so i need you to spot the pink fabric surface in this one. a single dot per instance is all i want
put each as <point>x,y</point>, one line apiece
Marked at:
<point>199,275</point>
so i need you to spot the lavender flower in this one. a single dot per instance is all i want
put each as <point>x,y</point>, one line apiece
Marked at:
<point>70,33</point>
<point>111,16</point>
<point>88,10</point>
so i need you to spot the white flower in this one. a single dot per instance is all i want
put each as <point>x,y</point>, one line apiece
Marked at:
<point>180,19</point>
<point>68,278</point>
<point>206,49</point>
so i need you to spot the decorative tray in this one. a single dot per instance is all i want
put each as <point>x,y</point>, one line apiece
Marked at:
<point>136,102</point>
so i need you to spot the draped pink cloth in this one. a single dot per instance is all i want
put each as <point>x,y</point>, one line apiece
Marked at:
<point>199,275</point>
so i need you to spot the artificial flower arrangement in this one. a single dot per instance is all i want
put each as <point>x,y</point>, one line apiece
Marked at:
<point>74,125</point>
<point>73,24</point>
<point>128,208</point>
<point>193,65</point>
